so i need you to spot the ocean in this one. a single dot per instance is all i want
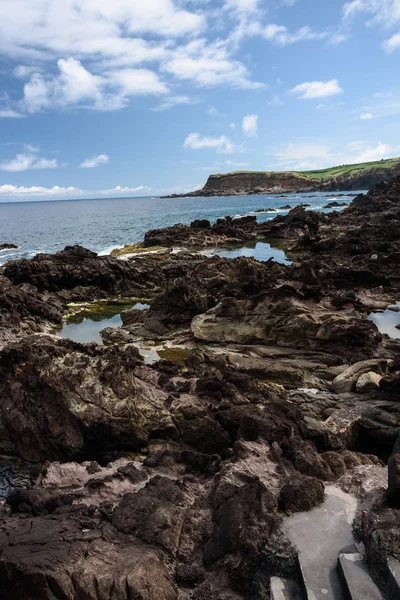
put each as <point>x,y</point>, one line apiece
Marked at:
<point>104,224</point>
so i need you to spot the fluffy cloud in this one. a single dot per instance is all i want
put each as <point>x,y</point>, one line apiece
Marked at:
<point>25,161</point>
<point>242,6</point>
<point>320,155</point>
<point>74,85</point>
<point>366,116</point>
<point>103,51</point>
<point>250,125</point>
<point>9,113</point>
<point>317,89</point>
<point>222,144</point>
<point>281,36</point>
<point>36,190</point>
<point>95,161</point>
<point>42,29</point>
<point>392,43</point>
<point>207,65</point>
<point>23,71</point>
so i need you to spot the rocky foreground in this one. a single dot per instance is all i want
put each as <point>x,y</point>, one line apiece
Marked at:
<point>175,480</point>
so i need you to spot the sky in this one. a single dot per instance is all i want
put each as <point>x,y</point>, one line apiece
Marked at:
<point>111,98</point>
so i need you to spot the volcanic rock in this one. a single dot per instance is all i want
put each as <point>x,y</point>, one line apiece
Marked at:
<point>75,269</point>
<point>62,400</point>
<point>8,246</point>
<point>368,382</point>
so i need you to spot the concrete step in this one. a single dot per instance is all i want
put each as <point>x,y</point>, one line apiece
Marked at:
<point>320,535</point>
<point>394,579</point>
<point>285,589</point>
<point>355,579</point>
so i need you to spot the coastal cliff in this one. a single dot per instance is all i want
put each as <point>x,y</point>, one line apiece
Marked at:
<point>345,177</point>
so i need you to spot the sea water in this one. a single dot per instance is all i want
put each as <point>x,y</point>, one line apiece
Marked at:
<point>104,224</point>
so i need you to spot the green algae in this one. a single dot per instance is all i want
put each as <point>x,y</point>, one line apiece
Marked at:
<point>176,353</point>
<point>136,248</point>
<point>100,310</point>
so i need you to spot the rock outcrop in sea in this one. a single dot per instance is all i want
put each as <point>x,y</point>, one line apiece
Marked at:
<point>178,479</point>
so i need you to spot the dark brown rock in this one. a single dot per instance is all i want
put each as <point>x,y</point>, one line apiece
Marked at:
<point>393,493</point>
<point>62,400</point>
<point>301,494</point>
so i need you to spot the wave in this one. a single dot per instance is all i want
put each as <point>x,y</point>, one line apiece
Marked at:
<point>108,250</point>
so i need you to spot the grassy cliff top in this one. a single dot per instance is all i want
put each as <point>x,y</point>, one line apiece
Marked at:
<point>330,173</point>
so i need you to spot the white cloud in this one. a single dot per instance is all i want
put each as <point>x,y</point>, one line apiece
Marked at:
<point>250,125</point>
<point>208,65</point>
<point>41,28</point>
<point>366,116</point>
<point>58,192</point>
<point>392,43</point>
<point>305,156</point>
<point>281,36</point>
<point>9,113</point>
<point>232,125</point>
<point>95,161</point>
<point>174,101</point>
<point>31,148</point>
<point>23,71</point>
<point>381,13</point>
<point>36,190</point>
<point>119,189</point>
<point>76,86</point>
<point>45,163</point>
<point>242,6</point>
<point>317,89</point>
<point>24,161</point>
<point>133,82</point>
<point>222,144</point>
<point>100,47</point>
<point>214,112</point>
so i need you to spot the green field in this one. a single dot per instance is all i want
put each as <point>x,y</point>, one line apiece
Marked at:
<point>346,170</point>
<point>330,173</point>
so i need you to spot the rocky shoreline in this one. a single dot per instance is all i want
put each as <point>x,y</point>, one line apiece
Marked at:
<point>175,480</point>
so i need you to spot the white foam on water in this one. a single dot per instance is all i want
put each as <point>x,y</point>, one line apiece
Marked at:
<point>107,251</point>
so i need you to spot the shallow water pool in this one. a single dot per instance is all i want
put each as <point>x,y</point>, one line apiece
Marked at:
<point>387,321</point>
<point>88,330</point>
<point>260,251</point>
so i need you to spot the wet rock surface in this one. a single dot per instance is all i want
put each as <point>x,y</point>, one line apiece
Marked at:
<point>174,480</point>
<point>8,246</point>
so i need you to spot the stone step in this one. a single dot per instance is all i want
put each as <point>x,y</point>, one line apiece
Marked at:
<point>285,589</point>
<point>355,579</point>
<point>394,579</point>
<point>320,535</point>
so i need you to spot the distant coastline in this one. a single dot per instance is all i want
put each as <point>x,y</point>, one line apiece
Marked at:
<point>335,179</point>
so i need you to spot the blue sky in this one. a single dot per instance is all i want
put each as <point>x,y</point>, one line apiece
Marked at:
<point>105,98</point>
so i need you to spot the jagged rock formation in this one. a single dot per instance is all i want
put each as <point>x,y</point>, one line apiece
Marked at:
<point>187,470</point>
